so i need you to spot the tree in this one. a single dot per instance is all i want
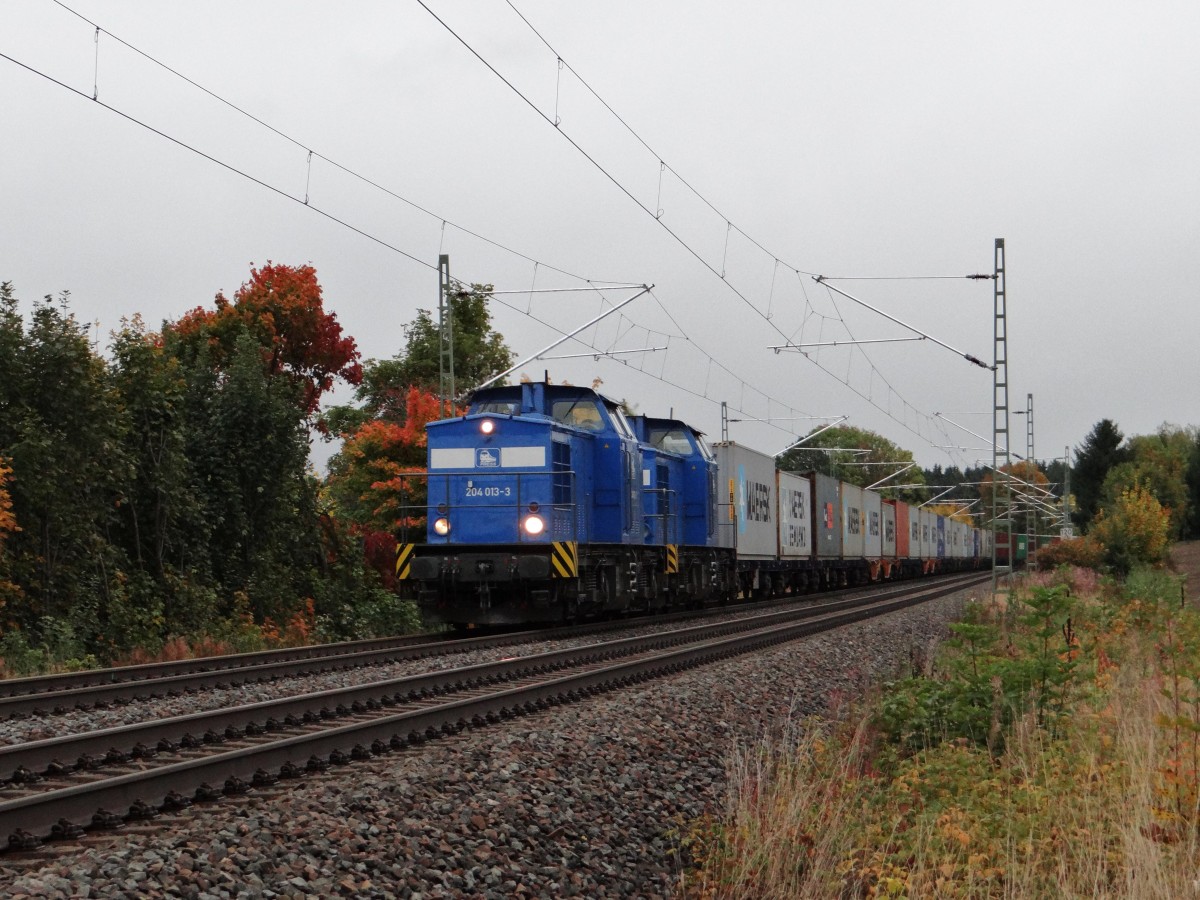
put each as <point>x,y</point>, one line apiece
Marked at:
<point>1159,463</point>
<point>249,450</point>
<point>857,456</point>
<point>282,307</point>
<point>479,353</point>
<point>61,431</point>
<point>1024,473</point>
<point>1193,485</point>
<point>1099,452</point>
<point>159,509</point>
<point>8,525</point>
<point>371,480</point>
<point>1133,528</point>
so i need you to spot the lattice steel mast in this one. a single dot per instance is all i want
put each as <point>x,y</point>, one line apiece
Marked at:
<point>1000,457</point>
<point>445,338</point>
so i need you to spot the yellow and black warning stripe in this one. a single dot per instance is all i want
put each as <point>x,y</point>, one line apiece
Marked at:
<point>404,554</point>
<point>672,559</point>
<point>564,560</point>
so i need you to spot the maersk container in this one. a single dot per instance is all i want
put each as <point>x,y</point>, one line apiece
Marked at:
<point>746,479</point>
<point>914,531</point>
<point>795,516</point>
<point>940,536</point>
<point>891,531</point>
<point>873,532</point>
<point>827,516</point>
<point>854,523</point>
<point>928,534</point>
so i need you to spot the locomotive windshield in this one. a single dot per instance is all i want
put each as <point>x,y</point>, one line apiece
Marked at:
<point>497,407</point>
<point>581,413</point>
<point>672,440</point>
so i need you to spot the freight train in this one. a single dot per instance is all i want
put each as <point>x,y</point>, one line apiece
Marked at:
<point>546,503</point>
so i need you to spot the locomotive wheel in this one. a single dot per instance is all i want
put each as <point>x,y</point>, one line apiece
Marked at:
<point>653,600</point>
<point>605,586</point>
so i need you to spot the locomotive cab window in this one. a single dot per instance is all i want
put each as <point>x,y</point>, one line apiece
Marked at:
<point>672,440</point>
<point>497,407</point>
<point>578,414</point>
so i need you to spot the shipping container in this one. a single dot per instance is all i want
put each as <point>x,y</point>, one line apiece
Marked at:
<point>873,513</point>
<point>928,534</point>
<point>827,516</point>
<point>914,532</point>
<point>795,516</point>
<point>746,479</point>
<point>853,522</point>
<point>940,536</point>
<point>892,536</point>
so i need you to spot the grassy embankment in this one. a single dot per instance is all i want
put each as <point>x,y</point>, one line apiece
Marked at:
<point>1051,750</point>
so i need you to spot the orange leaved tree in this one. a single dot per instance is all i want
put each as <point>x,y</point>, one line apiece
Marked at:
<point>282,307</point>
<point>377,481</point>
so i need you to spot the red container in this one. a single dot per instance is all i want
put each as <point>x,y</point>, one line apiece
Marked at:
<point>902,528</point>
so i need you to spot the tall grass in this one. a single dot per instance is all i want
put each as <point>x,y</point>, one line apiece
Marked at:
<point>1093,795</point>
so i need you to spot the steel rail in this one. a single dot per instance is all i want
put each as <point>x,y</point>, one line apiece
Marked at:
<point>81,690</point>
<point>27,818</point>
<point>19,763</point>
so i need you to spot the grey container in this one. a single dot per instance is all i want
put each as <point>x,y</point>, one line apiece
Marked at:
<point>854,524</point>
<point>889,530</point>
<point>748,512</point>
<point>873,530</point>
<point>827,516</point>
<point>795,516</point>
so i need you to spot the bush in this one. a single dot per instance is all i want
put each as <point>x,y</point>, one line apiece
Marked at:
<point>1085,552</point>
<point>1134,530</point>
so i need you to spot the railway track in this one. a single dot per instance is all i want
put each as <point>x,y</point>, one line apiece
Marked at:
<point>63,692</point>
<point>61,786</point>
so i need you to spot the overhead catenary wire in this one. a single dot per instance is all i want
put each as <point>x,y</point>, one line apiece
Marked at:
<point>224,165</point>
<point>306,148</point>
<point>306,201</point>
<point>656,214</point>
<point>730,227</point>
<point>594,286</point>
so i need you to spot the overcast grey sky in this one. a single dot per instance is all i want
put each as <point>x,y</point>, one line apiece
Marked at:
<point>848,139</point>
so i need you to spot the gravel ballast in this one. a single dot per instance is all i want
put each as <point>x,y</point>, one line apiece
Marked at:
<point>583,800</point>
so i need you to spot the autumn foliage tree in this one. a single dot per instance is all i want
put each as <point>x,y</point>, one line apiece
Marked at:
<point>479,353</point>
<point>1026,478</point>
<point>282,308</point>
<point>8,524</point>
<point>1134,528</point>
<point>372,478</point>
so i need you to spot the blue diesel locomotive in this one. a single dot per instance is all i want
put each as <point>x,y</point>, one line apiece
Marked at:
<point>546,502</point>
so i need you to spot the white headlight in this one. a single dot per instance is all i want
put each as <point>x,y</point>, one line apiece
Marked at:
<point>442,526</point>
<point>534,525</point>
<point>487,426</point>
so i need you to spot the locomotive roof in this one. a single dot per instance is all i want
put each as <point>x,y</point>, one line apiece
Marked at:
<point>514,390</point>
